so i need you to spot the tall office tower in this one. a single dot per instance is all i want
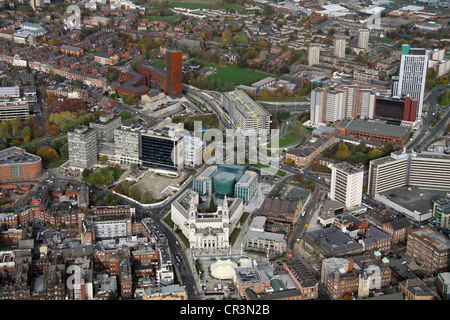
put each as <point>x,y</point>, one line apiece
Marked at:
<point>318,101</point>
<point>413,73</point>
<point>314,53</point>
<point>363,39</point>
<point>127,145</point>
<point>351,101</point>
<point>162,149</point>
<point>174,66</point>
<point>367,103</point>
<point>347,184</point>
<point>335,107</point>
<point>339,46</point>
<point>327,105</point>
<point>82,142</point>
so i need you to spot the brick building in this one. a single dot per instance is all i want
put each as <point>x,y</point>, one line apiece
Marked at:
<point>430,249</point>
<point>137,84</point>
<point>375,131</point>
<point>16,164</point>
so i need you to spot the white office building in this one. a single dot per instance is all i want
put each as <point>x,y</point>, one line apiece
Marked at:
<point>413,73</point>
<point>82,143</point>
<point>314,54</point>
<point>247,115</point>
<point>335,106</point>
<point>193,150</point>
<point>427,170</point>
<point>347,184</point>
<point>127,145</point>
<point>363,39</point>
<point>339,46</point>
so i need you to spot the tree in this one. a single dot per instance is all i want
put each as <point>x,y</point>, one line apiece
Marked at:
<point>135,192</point>
<point>146,197</point>
<point>47,154</point>
<point>226,36</point>
<point>362,147</point>
<point>102,176</point>
<point>26,131</point>
<point>4,129</point>
<point>103,159</point>
<point>125,187</point>
<point>86,173</point>
<point>374,154</point>
<point>16,125</point>
<point>109,198</point>
<point>267,10</point>
<point>342,151</point>
<point>212,206</point>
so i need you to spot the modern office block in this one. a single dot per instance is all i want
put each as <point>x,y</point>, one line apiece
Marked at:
<point>363,39</point>
<point>347,184</point>
<point>424,170</point>
<point>193,150</point>
<point>127,145</point>
<point>105,126</point>
<point>339,46</point>
<point>441,213</point>
<point>162,149</point>
<point>246,114</point>
<point>413,73</point>
<point>314,54</point>
<point>16,164</point>
<point>82,143</point>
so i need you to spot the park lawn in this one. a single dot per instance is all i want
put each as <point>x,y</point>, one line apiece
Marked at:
<point>287,139</point>
<point>125,115</point>
<point>269,168</point>
<point>387,40</point>
<point>165,19</point>
<point>118,173</point>
<point>233,76</point>
<point>57,163</point>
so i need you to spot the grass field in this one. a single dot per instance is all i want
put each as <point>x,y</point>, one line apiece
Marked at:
<point>57,164</point>
<point>165,19</point>
<point>269,168</point>
<point>233,76</point>
<point>125,115</point>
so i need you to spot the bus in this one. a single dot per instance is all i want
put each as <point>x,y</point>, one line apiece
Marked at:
<point>303,214</point>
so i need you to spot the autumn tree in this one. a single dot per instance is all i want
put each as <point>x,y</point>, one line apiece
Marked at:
<point>16,125</point>
<point>374,154</point>
<point>342,151</point>
<point>47,154</point>
<point>135,192</point>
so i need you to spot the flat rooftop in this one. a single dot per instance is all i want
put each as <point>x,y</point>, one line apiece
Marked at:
<point>16,155</point>
<point>246,105</point>
<point>375,128</point>
<point>411,198</point>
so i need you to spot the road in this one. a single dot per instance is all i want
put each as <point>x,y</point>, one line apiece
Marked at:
<point>424,136</point>
<point>140,114</point>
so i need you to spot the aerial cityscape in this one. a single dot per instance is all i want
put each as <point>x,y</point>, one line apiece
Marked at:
<point>224,150</point>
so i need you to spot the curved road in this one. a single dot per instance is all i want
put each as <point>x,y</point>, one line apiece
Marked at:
<point>424,136</point>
